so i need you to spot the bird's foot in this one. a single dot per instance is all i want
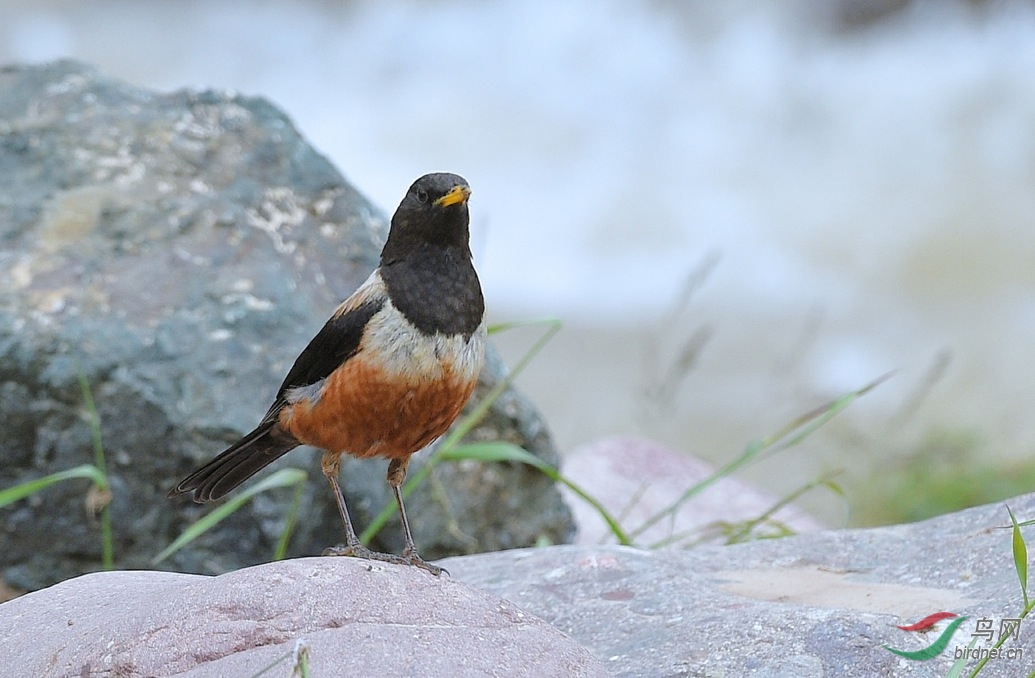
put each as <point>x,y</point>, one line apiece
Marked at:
<point>408,557</point>
<point>411,557</point>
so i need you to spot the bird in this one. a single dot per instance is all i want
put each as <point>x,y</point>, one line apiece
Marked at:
<point>390,370</point>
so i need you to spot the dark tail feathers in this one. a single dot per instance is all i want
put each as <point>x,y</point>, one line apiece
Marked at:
<point>238,463</point>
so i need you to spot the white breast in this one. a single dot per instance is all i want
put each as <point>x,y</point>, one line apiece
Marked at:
<point>404,351</point>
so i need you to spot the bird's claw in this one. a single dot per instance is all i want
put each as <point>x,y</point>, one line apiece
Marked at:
<point>408,557</point>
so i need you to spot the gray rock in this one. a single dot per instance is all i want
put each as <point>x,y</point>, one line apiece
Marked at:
<point>179,250</point>
<point>818,604</point>
<point>357,618</point>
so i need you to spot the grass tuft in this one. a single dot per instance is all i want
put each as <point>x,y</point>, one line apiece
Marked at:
<point>285,477</point>
<point>793,433</point>
<point>1020,564</point>
<point>98,498</point>
<point>450,449</point>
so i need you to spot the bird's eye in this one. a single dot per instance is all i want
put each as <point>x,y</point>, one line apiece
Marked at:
<point>422,195</point>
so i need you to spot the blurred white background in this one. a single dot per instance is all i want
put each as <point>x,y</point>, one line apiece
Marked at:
<point>851,197</point>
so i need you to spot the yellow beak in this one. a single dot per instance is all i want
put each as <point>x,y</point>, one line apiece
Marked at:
<point>457,194</point>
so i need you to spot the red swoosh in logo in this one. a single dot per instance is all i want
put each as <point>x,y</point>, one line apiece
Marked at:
<point>928,621</point>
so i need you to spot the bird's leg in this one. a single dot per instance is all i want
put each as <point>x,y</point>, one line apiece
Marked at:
<point>331,466</point>
<point>396,476</point>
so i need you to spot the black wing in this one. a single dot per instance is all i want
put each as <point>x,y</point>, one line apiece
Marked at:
<point>335,343</point>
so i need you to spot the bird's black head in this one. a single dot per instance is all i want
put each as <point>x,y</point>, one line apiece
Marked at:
<point>433,212</point>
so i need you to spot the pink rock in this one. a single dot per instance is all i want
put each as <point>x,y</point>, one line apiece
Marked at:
<point>357,618</point>
<point>635,478</point>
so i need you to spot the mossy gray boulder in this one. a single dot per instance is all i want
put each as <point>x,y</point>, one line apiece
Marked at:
<point>178,250</point>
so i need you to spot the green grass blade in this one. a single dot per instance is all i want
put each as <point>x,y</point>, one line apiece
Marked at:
<point>289,524</point>
<point>791,434</point>
<point>95,427</point>
<point>1020,562</point>
<point>102,488</point>
<point>957,668</point>
<point>752,451</point>
<point>301,668</point>
<point>807,424</point>
<point>299,661</point>
<point>493,451</point>
<point>1020,556</point>
<point>283,478</point>
<point>744,530</point>
<point>467,423</point>
<point>514,324</point>
<point>748,527</point>
<point>499,451</point>
<point>274,664</point>
<point>90,472</point>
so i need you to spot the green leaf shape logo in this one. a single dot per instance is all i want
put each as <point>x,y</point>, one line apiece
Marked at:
<point>935,648</point>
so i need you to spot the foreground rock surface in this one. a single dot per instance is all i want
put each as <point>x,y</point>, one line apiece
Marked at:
<point>177,251</point>
<point>819,604</point>
<point>358,618</point>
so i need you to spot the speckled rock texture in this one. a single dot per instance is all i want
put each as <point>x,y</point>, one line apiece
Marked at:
<point>354,618</point>
<point>816,605</point>
<point>813,605</point>
<point>178,251</point>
